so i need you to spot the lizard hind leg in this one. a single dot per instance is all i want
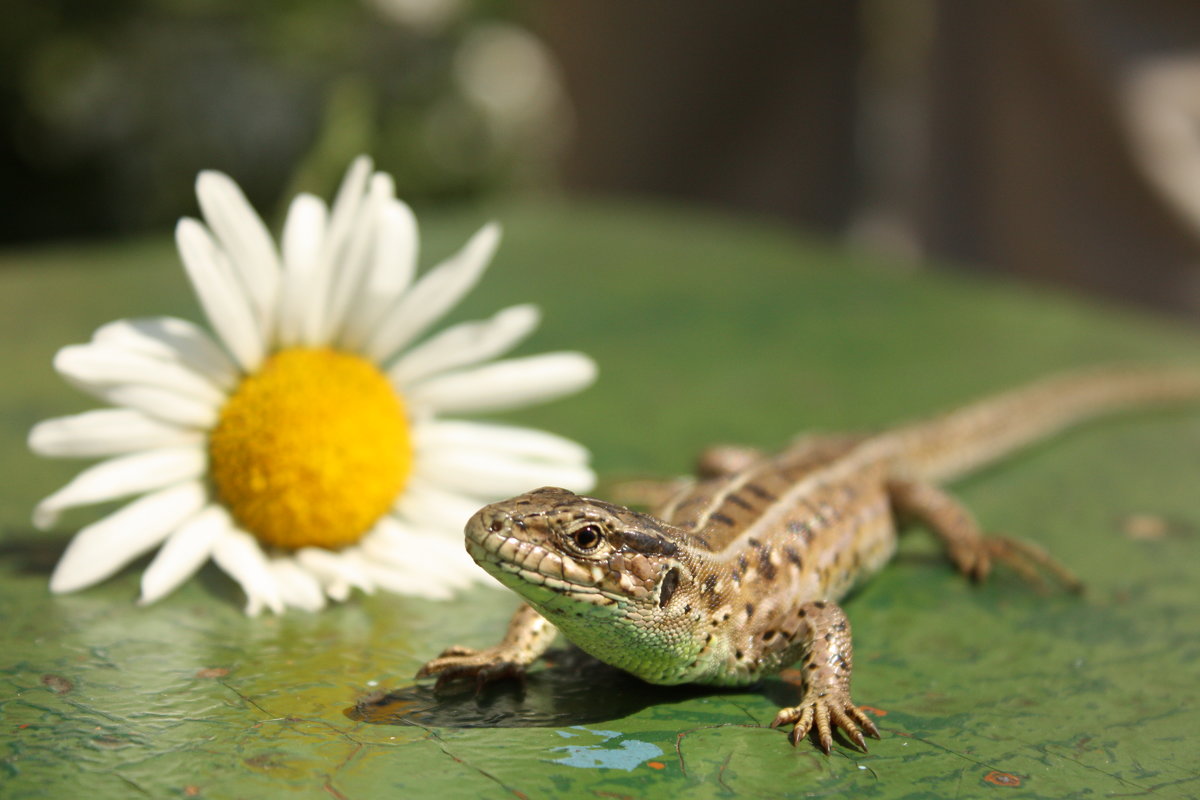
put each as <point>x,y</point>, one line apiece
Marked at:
<point>828,659</point>
<point>966,546</point>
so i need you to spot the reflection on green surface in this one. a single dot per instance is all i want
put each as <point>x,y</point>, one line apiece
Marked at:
<point>705,332</point>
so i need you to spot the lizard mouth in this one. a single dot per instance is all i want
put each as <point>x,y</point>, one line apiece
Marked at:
<point>522,563</point>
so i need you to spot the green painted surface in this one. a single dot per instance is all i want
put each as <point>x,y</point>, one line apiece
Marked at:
<point>705,331</point>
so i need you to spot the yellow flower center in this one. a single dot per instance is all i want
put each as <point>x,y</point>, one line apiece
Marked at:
<point>311,449</point>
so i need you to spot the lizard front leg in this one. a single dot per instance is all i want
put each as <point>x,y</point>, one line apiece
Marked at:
<point>966,545</point>
<point>828,659</point>
<point>527,637</point>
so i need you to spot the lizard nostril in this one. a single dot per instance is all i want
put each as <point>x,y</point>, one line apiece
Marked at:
<point>495,526</point>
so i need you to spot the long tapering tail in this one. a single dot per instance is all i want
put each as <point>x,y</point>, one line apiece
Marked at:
<point>954,444</point>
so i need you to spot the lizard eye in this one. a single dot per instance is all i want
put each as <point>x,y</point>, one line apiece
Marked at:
<point>587,537</point>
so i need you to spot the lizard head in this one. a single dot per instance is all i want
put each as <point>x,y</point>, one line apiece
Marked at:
<point>618,584</point>
<point>551,542</point>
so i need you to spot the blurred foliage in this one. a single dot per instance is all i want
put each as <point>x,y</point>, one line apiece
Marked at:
<point>108,110</point>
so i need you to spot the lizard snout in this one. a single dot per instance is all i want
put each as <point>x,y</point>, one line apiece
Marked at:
<point>489,519</point>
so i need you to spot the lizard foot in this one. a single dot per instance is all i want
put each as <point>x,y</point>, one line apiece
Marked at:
<point>969,549</point>
<point>463,663</point>
<point>1023,558</point>
<point>821,716</point>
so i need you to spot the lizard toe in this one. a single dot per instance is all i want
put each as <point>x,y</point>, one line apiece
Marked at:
<point>824,732</point>
<point>864,722</point>
<point>799,717</point>
<point>842,720</point>
<point>786,716</point>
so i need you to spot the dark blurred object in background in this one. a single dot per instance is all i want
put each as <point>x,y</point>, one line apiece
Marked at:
<point>1053,138</point>
<point>753,109</point>
<point>1065,144</point>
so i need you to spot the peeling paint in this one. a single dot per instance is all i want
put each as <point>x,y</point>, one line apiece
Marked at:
<point>627,755</point>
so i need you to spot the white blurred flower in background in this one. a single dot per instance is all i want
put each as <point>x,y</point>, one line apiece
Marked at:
<point>304,448</point>
<point>512,77</point>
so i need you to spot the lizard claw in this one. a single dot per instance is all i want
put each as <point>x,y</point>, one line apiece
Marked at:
<point>1025,559</point>
<point>821,716</point>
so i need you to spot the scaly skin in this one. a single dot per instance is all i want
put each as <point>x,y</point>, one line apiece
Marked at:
<point>737,574</point>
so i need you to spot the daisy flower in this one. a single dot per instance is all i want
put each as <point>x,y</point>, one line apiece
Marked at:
<point>303,448</point>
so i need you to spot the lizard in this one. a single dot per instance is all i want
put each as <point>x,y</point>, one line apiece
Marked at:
<point>737,573</point>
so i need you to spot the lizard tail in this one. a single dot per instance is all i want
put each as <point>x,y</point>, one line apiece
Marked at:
<point>954,444</point>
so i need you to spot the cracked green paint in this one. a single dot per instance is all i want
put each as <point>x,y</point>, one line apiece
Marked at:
<point>994,692</point>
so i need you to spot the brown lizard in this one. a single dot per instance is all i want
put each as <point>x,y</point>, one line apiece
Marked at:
<point>737,573</point>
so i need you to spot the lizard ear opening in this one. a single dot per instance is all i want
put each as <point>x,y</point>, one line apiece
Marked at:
<point>666,589</point>
<point>650,544</point>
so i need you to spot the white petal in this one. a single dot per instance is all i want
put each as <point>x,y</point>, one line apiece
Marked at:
<point>433,506</point>
<point>346,204</point>
<point>464,345</point>
<point>408,549</point>
<point>297,587</point>
<point>101,365</point>
<point>399,581</point>
<point>174,341</point>
<point>481,472</point>
<point>220,294</point>
<point>355,562</point>
<point>303,234</point>
<point>351,264</point>
<point>122,477</point>
<point>505,384</point>
<point>238,554</point>
<point>393,265</point>
<point>165,405</point>
<point>342,217</point>
<point>433,296</point>
<point>516,441</point>
<point>104,547</point>
<point>420,565</point>
<point>184,552</point>
<point>106,432</point>
<point>412,583</point>
<point>334,569</point>
<point>245,239</point>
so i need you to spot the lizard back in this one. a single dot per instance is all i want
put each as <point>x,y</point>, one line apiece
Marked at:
<point>809,522</point>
